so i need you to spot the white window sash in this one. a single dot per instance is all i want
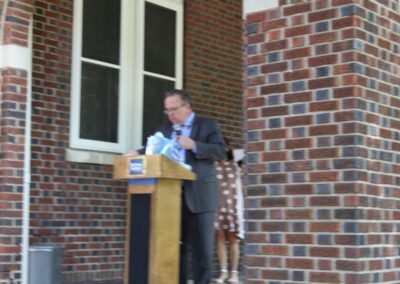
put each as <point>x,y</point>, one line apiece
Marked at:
<point>131,74</point>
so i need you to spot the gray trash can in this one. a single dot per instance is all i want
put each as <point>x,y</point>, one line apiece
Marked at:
<point>45,264</point>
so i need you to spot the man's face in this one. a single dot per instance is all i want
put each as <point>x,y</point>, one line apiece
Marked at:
<point>176,110</point>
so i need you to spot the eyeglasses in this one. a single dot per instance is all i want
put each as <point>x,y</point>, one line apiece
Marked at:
<point>173,109</point>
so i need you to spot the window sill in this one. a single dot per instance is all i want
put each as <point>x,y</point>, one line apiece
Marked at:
<point>89,157</point>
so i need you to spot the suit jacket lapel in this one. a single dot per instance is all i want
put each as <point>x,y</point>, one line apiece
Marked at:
<point>195,128</point>
<point>167,130</point>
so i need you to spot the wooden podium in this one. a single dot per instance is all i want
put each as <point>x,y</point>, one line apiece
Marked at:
<point>154,217</point>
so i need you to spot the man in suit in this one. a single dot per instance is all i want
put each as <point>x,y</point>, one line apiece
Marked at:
<point>201,143</point>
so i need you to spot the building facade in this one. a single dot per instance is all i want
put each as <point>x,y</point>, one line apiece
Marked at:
<point>82,81</point>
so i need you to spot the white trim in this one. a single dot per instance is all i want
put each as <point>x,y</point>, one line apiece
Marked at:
<point>130,112</point>
<point>128,78</point>
<point>156,75</point>
<point>77,59</point>
<point>250,6</point>
<point>101,63</point>
<point>27,161</point>
<point>135,102</point>
<point>15,56</point>
<point>76,72</point>
<point>179,48</point>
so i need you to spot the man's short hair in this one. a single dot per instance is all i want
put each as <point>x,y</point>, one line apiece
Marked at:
<point>182,94</point>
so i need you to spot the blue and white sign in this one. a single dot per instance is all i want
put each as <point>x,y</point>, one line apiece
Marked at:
<point>136,166</point>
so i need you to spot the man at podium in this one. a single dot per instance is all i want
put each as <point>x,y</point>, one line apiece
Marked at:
<point>200,142</point>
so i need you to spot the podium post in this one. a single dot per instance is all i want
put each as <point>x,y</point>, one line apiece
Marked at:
<point>153,218</point>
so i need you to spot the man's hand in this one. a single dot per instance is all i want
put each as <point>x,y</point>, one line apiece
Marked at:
<point>186,143</point>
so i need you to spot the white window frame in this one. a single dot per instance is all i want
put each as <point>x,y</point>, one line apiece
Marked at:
<point>131,76</point>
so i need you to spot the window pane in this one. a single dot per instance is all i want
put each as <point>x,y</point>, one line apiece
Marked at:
<point>153,93</point>
<point>99,103</point>
<point>101,30</point>
<point>159,40</point>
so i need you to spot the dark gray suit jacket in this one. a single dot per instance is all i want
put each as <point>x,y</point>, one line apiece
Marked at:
<point>202,194</point>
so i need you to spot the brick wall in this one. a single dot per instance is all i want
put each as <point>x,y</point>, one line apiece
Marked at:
<point>13,88</point>
<point>213,62</point>
<point>322,109</point>
<point>76,205</point>
<point>79,206</point>
<point>12,101</point>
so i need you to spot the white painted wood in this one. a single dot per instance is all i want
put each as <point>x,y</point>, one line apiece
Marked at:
<point>15,56</point>
<point>250,6</point>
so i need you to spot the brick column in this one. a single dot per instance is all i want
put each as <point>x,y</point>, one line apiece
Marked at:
<point>14,28</point>
<point>323,129</point>
<point>213,62</point>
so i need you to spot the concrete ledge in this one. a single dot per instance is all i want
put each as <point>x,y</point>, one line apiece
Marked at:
<point>89,157</point>
<point>15,56</point>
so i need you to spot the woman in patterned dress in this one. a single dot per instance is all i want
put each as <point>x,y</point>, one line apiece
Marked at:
<point>229,217</point>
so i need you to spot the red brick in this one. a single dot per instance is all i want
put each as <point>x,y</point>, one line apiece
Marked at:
<point>346,22</point>
<point>322,60</point>
<point>256,124</point>
<point>321,15</point>
<point>274,45</point>
<point>274,178</point>
<point>273,24</point>
<point>256,261</point>
<point>297,31</point>
<point>298,166</point>
<point>325,277</point>
<point>324,264</point>
<point>274,111</point>
<point>298,97</point>
<point>274,227</point>
<point>275,67</point>
<point>298,143</point>
<point>297,9</point>
<point>297,53</point>
<point>298,20</point>
<point>323,130</point>
<point>350,265</point>
<point>274,134</point>
<point>298,75</point>
<point>256,17</point>
<point>273,89</point>
<point>299,263</point>
<point>324,201</point>
<point>274,202</point>
<point>301,189</point>
<point>274,274</point>
<point>299,238</point>
<point>324,176</point>
<point>257,38</point>
<point>324,227</point>
<point>322,83</point>
<point>298,214</point>
<point>323,37</point>
<point>256,59</point>
<point>323,153</point>
<point>298,120</point>
<point>255,102</point>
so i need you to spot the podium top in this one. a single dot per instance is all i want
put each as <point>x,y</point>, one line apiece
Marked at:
<point>149,166</point>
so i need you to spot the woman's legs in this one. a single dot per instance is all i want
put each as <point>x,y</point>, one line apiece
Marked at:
<point>222,256</point>
<point>234,255</point>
